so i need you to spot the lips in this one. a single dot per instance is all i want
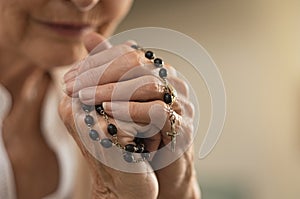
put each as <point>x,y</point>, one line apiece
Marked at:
<point>66,28</point>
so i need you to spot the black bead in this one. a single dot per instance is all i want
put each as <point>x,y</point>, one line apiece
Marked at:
<point>140,148</point>
<point>94,134</point>
<point>89,120</point>
<point>167,98</point>
<point>158,62</point>
<point>138,140</point>
<point>130,148</point>
<point>128,157</point>
<point>106,143</point>
<point>87,108</point>
<point>99,109</point>
<point>112,129</point>
<point>136,47</point>
<point>163,73</point>
<point>146,154</point>
<point>149,55</point>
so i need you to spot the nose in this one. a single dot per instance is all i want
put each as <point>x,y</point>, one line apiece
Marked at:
<point>85,5</point>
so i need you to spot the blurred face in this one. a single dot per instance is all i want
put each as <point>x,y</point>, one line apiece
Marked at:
<point>49,32</point>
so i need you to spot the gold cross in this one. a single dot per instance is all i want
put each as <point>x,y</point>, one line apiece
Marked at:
<point>173,135</point>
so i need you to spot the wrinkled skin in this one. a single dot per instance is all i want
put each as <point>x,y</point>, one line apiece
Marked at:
<point>83,84</point>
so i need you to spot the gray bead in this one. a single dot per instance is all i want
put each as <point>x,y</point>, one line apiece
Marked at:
<point>146,154</point>
<point>106,143</point>
<point>87,108</point>
<point>163,73</point>
<point>94,135</point>
<point>128,157</point>
<point>89,120</point>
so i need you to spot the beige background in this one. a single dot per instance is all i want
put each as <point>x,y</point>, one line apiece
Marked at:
<point>256,46</point>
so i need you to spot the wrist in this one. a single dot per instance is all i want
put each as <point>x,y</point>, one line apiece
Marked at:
<point>100,191</point>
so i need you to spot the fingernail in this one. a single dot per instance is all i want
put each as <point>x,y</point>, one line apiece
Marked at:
<point>87,94</point>
<point>105,106</point>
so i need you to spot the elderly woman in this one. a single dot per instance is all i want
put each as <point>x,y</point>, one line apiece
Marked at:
<point>38,158</point>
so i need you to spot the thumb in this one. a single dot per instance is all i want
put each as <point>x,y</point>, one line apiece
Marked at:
<point>95,43</point>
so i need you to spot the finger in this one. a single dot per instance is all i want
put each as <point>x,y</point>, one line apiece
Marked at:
<point>97,59</point>
<point>183,107</point>
<point>147,112</point>
<point>143,88</point>
<point>126,67</point>
<point>153,113</point>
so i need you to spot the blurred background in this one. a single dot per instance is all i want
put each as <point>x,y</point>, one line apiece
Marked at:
<point>256,46</point>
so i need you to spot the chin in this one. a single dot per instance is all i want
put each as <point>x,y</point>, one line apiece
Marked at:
<point>49,54</point>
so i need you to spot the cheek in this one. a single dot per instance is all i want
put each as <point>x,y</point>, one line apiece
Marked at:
<point>13,24</point>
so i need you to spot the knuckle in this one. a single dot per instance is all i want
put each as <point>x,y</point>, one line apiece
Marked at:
<point>125,59</point>
<point>158,114</point>
<point>189,110</point>
<point>88,63</point>
<point>123,49</point>
<point>192,109</point>
<point>132,59</point>
<point>178,108</point>
<point>181,86</point>
<point>160,109</point>
<point>185,88</point>
<point>152,84</point>
<point>110,87</point>
<point>155,86</point>
<point>103,93</point>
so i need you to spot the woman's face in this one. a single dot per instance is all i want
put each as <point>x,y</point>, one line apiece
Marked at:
<point>49,32</point>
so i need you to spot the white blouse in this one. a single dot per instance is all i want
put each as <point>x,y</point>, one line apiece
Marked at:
<point>57,138</point>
